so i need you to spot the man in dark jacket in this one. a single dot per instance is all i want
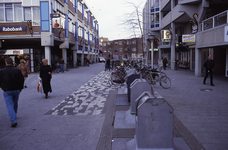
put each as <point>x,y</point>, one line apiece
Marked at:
<point>209,65</point>
<point>11,82</point>
<point>164,62</point>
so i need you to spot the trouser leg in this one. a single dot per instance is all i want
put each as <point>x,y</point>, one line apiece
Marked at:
<point>205,78</point>
<point>10,104</point>
<point>25,81</point>
<point>15,100</point>
<point>211,76</point>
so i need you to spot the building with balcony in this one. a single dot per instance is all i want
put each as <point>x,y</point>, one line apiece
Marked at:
<point>123,48</point>
<point>188,31</point>
<point>51,29</point>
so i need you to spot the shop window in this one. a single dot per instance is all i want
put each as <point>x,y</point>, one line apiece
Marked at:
<point>17,12</point>
<point>9,12</point>
<point>27,13</point>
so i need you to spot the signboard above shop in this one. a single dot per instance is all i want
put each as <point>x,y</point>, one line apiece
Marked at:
<point>13,29</point>
<point>166,36</point>
<point>11,52</point>
<point>56,22</point>
<point>188,38</point>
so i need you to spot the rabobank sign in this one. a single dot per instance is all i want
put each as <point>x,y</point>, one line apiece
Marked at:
<point>13,29</point>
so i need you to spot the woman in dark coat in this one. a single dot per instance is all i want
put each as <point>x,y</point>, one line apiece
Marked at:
<point>45,75</point>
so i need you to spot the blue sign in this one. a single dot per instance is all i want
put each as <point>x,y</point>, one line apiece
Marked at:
<point>9,29</point>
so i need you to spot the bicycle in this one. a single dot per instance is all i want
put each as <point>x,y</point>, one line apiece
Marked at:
<point>57,68</point>
<point>161,78</point>
<point>118,77</point>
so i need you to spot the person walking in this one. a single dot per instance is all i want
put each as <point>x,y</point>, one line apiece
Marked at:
<point>11,82</point>
<point>164,62</point>
<point>24,70</point>
<point>45,75</point>
<point>107,64</point>
<point>61,63</point>
<point>209,65</point>
<point>87,61</point>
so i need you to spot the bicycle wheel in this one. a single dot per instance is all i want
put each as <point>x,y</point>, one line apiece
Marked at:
<point>110,81</point>
<point>163,76</point>
<point>165,83</point>
<point>148,78</point>
<point>113,77</point>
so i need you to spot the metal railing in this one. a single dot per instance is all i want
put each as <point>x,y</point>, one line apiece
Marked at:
<point>214,21</point>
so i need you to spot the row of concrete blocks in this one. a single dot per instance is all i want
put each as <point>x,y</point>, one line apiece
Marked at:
<point>151,114</point>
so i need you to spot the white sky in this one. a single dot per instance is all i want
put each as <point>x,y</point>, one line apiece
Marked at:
<point>109,14</point>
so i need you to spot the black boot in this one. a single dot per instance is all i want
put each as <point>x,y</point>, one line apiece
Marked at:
<point>46,95</point>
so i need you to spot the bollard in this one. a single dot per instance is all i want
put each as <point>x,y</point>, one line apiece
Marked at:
<point>137,87</point>
<point>154,123</point>
<point>130,79</point>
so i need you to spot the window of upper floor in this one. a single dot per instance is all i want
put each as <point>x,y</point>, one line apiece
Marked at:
<point>70,15</point>
<point>154,5</point>
<point>71,26</point>
<point>72,1</point>
<point>134,42</point>
<point>80,6</point>
<point>120,42</point>
<point>109,43</point>
<point>87,36</point>
<point>133,49</point>
<point>80,31</point>
<point>120,49</point>
<point>10,0</point>
<point>116,43</point>
<point>91,37</point>
<point>16,13</point>
<point>28,2</point>
<point>85,11</point>
<point>104,44</point>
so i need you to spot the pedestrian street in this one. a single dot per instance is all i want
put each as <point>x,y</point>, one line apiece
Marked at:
<point>89,99</point>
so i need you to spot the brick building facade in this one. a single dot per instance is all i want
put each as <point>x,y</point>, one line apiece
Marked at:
<point>124,48</point>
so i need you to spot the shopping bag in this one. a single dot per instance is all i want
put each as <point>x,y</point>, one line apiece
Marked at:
<point>39,87</point>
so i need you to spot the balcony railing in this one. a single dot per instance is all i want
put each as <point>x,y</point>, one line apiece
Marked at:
<point>217,20</point>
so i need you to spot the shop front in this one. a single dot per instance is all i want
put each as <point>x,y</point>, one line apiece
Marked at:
<point>32,57</point>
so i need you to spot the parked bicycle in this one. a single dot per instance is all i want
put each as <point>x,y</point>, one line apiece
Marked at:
<point>118,77</point>
<point>57,67</point>
<point>159,77</point>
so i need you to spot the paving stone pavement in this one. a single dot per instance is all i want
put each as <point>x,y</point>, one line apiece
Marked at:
<point>201,110</point>
<point>89,99</point>
<point>38,130</point>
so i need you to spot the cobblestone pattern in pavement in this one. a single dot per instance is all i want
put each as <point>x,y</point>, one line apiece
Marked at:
<point>89,99</point>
